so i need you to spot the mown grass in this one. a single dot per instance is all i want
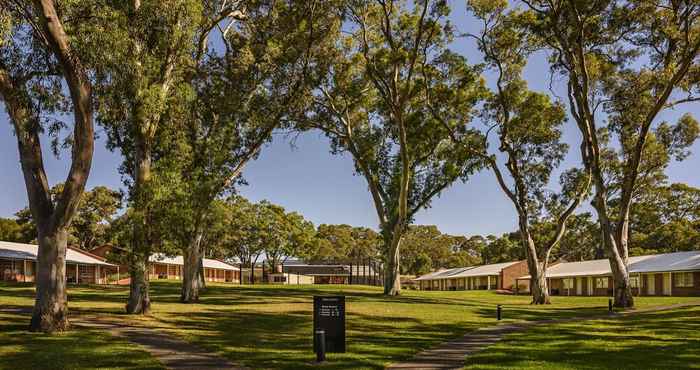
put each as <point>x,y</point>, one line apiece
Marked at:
<point>270,326</point>
<point>78,349</point>
<point>658,340</point>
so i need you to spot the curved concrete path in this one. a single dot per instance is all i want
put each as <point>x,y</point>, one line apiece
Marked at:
<point>172,352</point>
<point>452,354</point>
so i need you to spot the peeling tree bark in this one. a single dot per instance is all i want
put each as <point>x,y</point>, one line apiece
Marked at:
<point>538,277</point>
<point>139,301</point>
<point>50,312</point>
<point>193,274</point>
<point>618,262</point>
<point>392,278</point>
<point>139,297</point>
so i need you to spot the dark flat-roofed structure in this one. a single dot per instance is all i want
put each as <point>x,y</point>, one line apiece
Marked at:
<point>364,274</point>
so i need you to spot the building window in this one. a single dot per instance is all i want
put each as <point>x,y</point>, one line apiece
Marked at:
<point>634,281</point>
<point>601,283</point>
<point>568,283</point>
<point>683,280</point>
<point>280,279</point>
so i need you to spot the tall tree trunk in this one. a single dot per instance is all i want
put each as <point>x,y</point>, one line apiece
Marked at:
<point>139,299</point>
<point>538,278</point>
<point>622,290</point>
<point>192,272</point>
<point>50,312</point>
<point>52,217</point>
<point>538,287</point>
<point>392,279</point>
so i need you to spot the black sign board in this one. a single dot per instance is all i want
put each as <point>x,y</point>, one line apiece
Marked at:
<point>329,316</point>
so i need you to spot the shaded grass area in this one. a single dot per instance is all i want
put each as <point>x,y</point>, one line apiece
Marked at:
<point>659,340</point>
<point>78,349</point>
<point>270,326</point>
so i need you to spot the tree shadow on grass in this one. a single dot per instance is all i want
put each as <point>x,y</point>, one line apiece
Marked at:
<point>515,313</point>
<point>76,349</point>
<point>284,340</point>
<point>668,340</point>
<point>251,294</point>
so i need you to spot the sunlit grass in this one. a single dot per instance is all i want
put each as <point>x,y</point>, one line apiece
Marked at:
<point>77,349</point>
<point>265,326</point>
<point>658,340</point>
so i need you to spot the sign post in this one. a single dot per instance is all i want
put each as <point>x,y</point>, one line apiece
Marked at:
<point>329,316</point>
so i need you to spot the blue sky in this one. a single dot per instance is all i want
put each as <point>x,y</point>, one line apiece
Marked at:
<point>306,178</point>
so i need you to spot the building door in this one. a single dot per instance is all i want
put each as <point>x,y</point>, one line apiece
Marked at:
<point>651,284</point>
<point>579,286</point>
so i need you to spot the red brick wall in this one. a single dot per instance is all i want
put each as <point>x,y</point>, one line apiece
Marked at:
<point>512,272</point>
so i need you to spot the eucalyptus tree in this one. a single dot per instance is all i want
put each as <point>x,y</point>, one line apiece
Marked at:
<point>240,93</point>
<point>290,235</point>
<point>426,244</point>
<point>666,219</point>
<point>624,63</point>
<point>343,244</point>
<point>11,231</point>
<point>373,105</point>
<point>90,224</point>
<point>528,125</point>
<point>37,57</point>
<point>248,229</point>
<point>154,47</point>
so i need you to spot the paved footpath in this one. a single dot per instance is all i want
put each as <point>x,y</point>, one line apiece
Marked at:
<point>451,355</point>
<point>172,352</point>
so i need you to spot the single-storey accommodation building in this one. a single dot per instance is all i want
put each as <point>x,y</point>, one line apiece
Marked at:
<point>669,274</point>
<point>18,264</point>
<point>164,267</point>
<point>497,276</point>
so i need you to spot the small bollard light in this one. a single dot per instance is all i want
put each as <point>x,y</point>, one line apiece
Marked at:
<point>320,345</point>
<point>498,312</point>
<point>610,305</point>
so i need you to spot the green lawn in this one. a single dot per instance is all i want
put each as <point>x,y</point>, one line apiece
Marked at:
<point>270,326</point>
<point>78,349</point>
<point>660,340</point>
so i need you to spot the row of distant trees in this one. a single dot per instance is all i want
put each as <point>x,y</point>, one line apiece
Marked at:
<point>190,91</point>
<point>91,226</point>
<point>667,219</point>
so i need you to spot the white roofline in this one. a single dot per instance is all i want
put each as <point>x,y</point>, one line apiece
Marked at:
<point>178,260</point>
<point>470,271</point>
<point>21,251</point>
<point>647,264</point>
